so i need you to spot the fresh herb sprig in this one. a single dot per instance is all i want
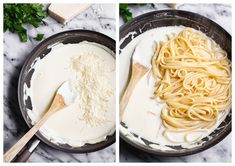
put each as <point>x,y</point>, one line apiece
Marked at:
<point>125,12</point>
<point>16,15</point>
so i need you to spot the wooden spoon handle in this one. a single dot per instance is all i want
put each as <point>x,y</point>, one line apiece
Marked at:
<point>56,105</point>
<point>138,71</point>
<point>14,150</point>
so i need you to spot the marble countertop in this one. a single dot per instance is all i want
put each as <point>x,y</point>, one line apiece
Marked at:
<point>222,152</point>
<point>99,18</point>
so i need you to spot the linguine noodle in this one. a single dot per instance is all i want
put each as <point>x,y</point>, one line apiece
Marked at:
<point>193,77</point>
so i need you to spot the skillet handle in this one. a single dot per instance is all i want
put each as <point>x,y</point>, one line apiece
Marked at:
<point>26,153</point>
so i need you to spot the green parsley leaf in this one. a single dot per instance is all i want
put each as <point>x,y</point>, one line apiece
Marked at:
<point>39,37</point>
<point>125,12</point>
<point>17,15</point>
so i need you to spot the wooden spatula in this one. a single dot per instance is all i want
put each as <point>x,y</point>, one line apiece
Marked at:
<point>138,71</point>
<point>141,63</point>
<point>57,104</point>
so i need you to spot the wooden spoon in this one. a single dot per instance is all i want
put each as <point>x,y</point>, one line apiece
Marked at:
<point>57,104</point>
<point>141,63</point>
<point>138,71</point>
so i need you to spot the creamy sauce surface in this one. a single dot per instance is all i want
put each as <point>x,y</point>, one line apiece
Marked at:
<point>66,126</point>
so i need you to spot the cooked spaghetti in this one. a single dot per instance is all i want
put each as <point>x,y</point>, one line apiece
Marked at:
<point>193,77</point>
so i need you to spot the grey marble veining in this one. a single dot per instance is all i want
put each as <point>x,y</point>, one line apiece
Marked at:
<point>220,13</point>
<point>222,152</point>
<point>99,18</point>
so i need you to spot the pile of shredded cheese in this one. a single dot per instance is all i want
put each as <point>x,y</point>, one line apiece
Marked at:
<point>92,84</point>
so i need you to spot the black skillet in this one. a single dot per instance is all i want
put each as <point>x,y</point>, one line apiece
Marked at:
<point>163,18</point>
<point>73,36</point>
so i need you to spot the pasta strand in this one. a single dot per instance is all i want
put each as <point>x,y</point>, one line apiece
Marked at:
<point>193,77</point>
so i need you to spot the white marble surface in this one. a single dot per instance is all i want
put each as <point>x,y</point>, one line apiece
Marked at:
<point>99,18</point>
<point>222,152</point>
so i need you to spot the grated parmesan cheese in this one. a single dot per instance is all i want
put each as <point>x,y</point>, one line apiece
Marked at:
<point>92,84</point>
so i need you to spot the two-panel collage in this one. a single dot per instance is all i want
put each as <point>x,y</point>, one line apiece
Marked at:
<point>117,82</point>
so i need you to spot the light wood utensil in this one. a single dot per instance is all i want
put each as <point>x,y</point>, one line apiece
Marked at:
<point>141,63</point>
<point>57,104</point>
<point>138,71</point>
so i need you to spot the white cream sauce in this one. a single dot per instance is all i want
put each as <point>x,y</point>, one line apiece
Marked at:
<point>142,114</point>
<point>66,126</point>
<point>143,52</point>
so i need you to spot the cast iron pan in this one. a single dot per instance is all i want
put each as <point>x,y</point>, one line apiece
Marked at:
<point>74,36</point>
<point>163,18</point>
